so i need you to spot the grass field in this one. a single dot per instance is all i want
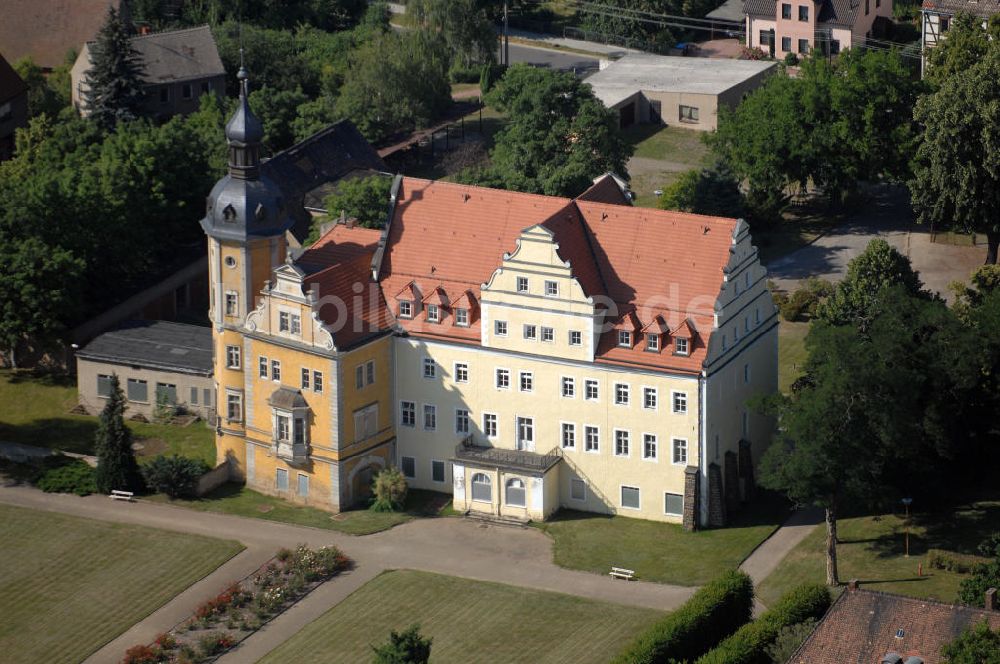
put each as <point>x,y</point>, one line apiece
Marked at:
<point>469,621</point>
<point>36,412</point>
<point>791,352</point>
<point>70,585</point>
<point>660,552</point>
<point>871,549</point>
<point>674,150</point>
<point>238,500</point>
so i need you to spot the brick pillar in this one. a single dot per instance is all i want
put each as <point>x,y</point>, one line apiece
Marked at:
<point>732,483</point>
<point>691,498</point>
<point>716,502</point>
<point>746,470</point>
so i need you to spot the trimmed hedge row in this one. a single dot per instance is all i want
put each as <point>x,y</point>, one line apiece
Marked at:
<point>748,645</point>
<point>714,612</point>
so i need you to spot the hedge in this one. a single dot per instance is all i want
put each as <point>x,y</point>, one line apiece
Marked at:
<point>748,645</point>
<point>714,612</point>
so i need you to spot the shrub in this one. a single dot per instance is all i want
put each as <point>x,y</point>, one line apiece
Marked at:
<point>75,477</point>
<point>174,475</point>
<point>166,642</point>
<point>714,612</point>
<point>389,489</point>
<point>141,655</point>
<point>801,302</point>
<point>407,647</point>
<point>749,644</point>
<point>489,76</point>
<point>950,561</point>
<point>791,60</point>
<point>788,641</point>
<point>215,643</point>
<point>459,74</point>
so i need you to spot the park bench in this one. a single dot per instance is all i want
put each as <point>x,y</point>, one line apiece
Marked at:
<point>622,573</point>
<point>121,495</point>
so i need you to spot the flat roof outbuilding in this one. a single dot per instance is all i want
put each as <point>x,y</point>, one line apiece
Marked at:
<point>154,345</point>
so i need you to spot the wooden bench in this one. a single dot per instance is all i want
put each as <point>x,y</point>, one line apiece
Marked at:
<point>121,495</point>
<point>622,573</point>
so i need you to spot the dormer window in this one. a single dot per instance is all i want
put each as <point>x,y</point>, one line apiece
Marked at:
<point>406,309</point>
<point>681,346</point>
<point>433,313</point>
<point>522,284</point>
<point>462,317</point>
<point>229,214</point>
<point>653,342</point>
<point>289,323</point>
<point>624,339</point>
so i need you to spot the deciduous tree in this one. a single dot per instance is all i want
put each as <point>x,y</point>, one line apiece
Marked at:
<point>976,645</point>
<point>467,27</point>
<point>365,199</point>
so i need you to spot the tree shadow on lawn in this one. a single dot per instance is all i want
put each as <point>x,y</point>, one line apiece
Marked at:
<point>44,378</point>
<point>70,433</point>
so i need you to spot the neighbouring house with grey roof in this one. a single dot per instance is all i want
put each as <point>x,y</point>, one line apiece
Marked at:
<point>180,66</point>
<point>153,360</point>
<point>780,27</point>
<point>936,17</point>
<point>674,90</point>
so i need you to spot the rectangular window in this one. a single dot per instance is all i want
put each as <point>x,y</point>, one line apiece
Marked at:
<point>206,397</point>
<point>437,471</point>
<point>624,339</point>
<point>262,366</point>
<point>592,439</point>
<point>317,381</point>
<point>525,433</point>
<point>673,503</point>
<point>804,12</point>
<point>577,489</point>
<point>764,36</point>
<point>430,417</point>
<point>575,338</point>
<point>690,113</point>
<point>461,372</point>
<point>649,447</point>
<point>281,479</point>
<point>548,334</point>
<point>527,381</point>
<point>234,407</point>
<point>621,443</point>
<point>653,342</point>
<point>233,357</point>
<point>407,413</point>
<point>305,379</point>
<point>680,400</point>
<point>430,368</point>
<point>296,324</point>
<point>500,328</point>
<point>746,373</point>
<point>590,390</point>
<point>205,87</point>
<point>186,91</point>
<point>370,372</point>
<point>276,370</point>
<point>568,387</point>
<point>650,398</point>
<point>405,309</point>
<point>681,346</point>
<point>284,321</point>
<point>786,44</point>
<point>359,376</point>
<point>522,284</point>
<point>786,10</point>
<point>103,385</point>
<point>138,390</point>
<point>461,421</point>
<point>568,436</point>
<point>630,497</point>
<point>282,428</point>
<point>408,466</point>
<point>303,485</point>
<point>166,392</point>
<point>194,396</point>
<point>503,379</point>
<point>680,451</point>
<point>433,313</point>
<point>621,394</point>
<point>803,46</point>
<point>530,332</point>
<point>462,317</point>
<point>867,7</point>
<point>490,425</point>
<point>552,288</point>
<point>164,95</point>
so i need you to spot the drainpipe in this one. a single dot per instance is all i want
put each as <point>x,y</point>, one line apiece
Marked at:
<point>702,446</point>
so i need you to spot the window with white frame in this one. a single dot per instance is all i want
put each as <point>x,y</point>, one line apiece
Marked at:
<point>437,471</point>
<point>624,339</point>
<point>621,443</point>
<point>365,422</point>
<point>482,488</point>
<point>630,497</point>
<point>680,402</point>
<point>673,504</point>
<point>621,394</point>
<point>430,417</point>
<point>522,284</point>
<point>461,421</point>
<point>653,342</point>
<point>575,338</point>
<point>317,381</point>
<point>649,398</point>
<point>568,387</point>
<point>525,433</point>
<point>500,328</point>
<point>262,366</point>
<point>577,489</point>
<point>552,288</point>
<point>234,406</point>
<point>681,346</point>
<point>276,370</point>
<point>408,413</point>
<point>369,372</point>
<point>408,466</point>
<point>138,390</point>
<point>591,392</point>
<point>405,309</point>
<point>104,385</point>
<point>359,376</point>
<point>461,372</point>
<point>503,379</point>
<point>548,334</point>
<point>284,321</point>
<point>430,368</point>
<point>232,303</point>
<point>680,452</point>
<point>281,479</point>
<point>649,447</point>
<point>530,332</point>
<point>490,425</point>
<point>568,436</point>
<point>305,379</point>
<point>303,485</point>
<point>433,313</point>
<point>462,317</point>
<point>527,381</point>
<point>233,357</point>
<point>514,492</point>
<point>591,439</point>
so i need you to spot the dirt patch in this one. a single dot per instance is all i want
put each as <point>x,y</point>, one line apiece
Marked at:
<point>264,509</point>
<point>149,446</point>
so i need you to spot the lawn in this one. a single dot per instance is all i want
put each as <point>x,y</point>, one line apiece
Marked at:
<point>663,153</point>
<point>240,501</point>
<point>791,352</point>
<point>36,412</point>
<point>871,549</point>
<point>660,552</point>
<point>71,585</point>
<point>469,621</point>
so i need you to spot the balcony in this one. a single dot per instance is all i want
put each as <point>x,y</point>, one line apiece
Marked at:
<point>519,460</point>
<point>292,453</point>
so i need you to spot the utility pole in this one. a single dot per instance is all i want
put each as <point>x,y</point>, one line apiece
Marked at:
<point>506,37</point>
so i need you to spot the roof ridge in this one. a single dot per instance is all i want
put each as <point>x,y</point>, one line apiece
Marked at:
<point>457,185</point>
<point>159,33</point>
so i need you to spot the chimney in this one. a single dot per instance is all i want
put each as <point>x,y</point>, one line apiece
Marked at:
<point>852,584</point>
<point>991,600</point>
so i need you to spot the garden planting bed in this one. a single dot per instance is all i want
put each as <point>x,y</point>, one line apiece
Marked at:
<point>221,623</point>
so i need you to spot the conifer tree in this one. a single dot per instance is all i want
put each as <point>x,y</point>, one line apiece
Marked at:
<point>116,464</point>
<point>115,76</point>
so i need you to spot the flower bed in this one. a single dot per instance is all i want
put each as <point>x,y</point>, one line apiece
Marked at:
<point>220,623</point>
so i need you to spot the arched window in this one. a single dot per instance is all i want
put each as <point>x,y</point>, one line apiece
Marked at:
<point>482,491</point>
<point>515,493</point>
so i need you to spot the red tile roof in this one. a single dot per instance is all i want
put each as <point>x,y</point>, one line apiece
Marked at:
<point>862,627</point>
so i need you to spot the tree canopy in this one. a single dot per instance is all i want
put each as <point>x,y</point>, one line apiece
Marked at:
<point>406,647</point>
<point>467,27</point>
<point>966,45</point>
<point>114,81</point>
<point>365,199</point>
<point>976,645</point>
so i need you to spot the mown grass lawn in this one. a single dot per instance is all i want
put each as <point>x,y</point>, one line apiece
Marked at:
<point>791,353</point>
<point>469,621</point>
<point>660,552</point>
<point>35,411</point>
<point>70,585</point>
<point>672,151</point>
<point>871,549</point>
<point>240,501</point>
